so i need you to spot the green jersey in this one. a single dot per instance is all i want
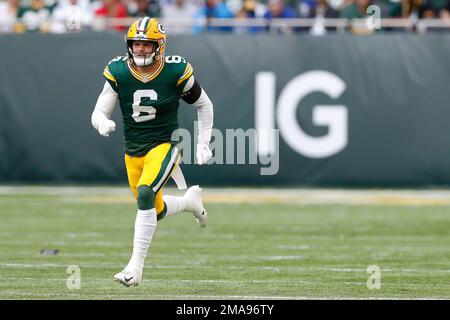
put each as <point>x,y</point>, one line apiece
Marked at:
<point>149,104</point>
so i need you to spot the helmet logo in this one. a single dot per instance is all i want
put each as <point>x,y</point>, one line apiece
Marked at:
<point>161,28</point>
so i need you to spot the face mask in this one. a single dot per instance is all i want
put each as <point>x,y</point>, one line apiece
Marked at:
<point>142,61</point>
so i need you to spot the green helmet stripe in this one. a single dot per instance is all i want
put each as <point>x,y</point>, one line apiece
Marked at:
<point>141,26</point>
<point>147,23</point>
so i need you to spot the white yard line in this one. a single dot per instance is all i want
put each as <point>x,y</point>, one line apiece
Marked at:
<point>301,196</point>
<point>212,267</point>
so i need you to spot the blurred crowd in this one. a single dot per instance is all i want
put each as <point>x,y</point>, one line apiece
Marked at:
<point>60,16</point>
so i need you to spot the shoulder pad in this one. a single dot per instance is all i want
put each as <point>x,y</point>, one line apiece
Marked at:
<point>182,69</point>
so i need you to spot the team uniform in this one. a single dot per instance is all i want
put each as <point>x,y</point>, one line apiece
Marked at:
<point>149,105</point>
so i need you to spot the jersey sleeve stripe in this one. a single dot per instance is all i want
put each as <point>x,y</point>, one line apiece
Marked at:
<point>187,73</point>
<point>109,76</point>
<point>186,70</point>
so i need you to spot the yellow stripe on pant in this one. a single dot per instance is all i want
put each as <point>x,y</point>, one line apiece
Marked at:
<point>153,170</point>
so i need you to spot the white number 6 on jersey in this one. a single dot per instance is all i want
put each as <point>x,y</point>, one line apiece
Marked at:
<point>149,113</point>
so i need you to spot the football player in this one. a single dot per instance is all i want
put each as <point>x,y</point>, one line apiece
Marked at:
<point>148,86</point>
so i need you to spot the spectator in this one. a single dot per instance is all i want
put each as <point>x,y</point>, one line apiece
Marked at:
<point>304,8</point>
<point>144,8</point>
<point>175,13</point>
<point>278,10</point>
<point>213,9</point>
<point>410,8</point>
<point>322,10</point>
<point>358,10</point>
<point>389,8</point>
<point>251,9</point>
<point>446,14</point>
<point>72,15</point>
<point>112,9</point>
<point>9,11</point>
<point>434,9</point>
<point>36,17</point>
<point>338,4</point>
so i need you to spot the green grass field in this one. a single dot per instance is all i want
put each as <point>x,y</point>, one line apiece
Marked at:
<point>270,246</point>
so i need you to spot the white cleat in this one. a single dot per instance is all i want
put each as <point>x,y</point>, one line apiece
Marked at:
<point>128,278</point>
<point>194,204</point>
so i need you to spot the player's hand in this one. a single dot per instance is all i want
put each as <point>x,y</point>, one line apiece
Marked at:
<point>203,153</point>
<point>106,127</point>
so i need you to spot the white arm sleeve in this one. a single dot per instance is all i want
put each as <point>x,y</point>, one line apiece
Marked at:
<point>205,113</point>
<point>105,105</point>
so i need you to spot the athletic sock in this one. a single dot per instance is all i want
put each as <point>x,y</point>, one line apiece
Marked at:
<point>144,228</point>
